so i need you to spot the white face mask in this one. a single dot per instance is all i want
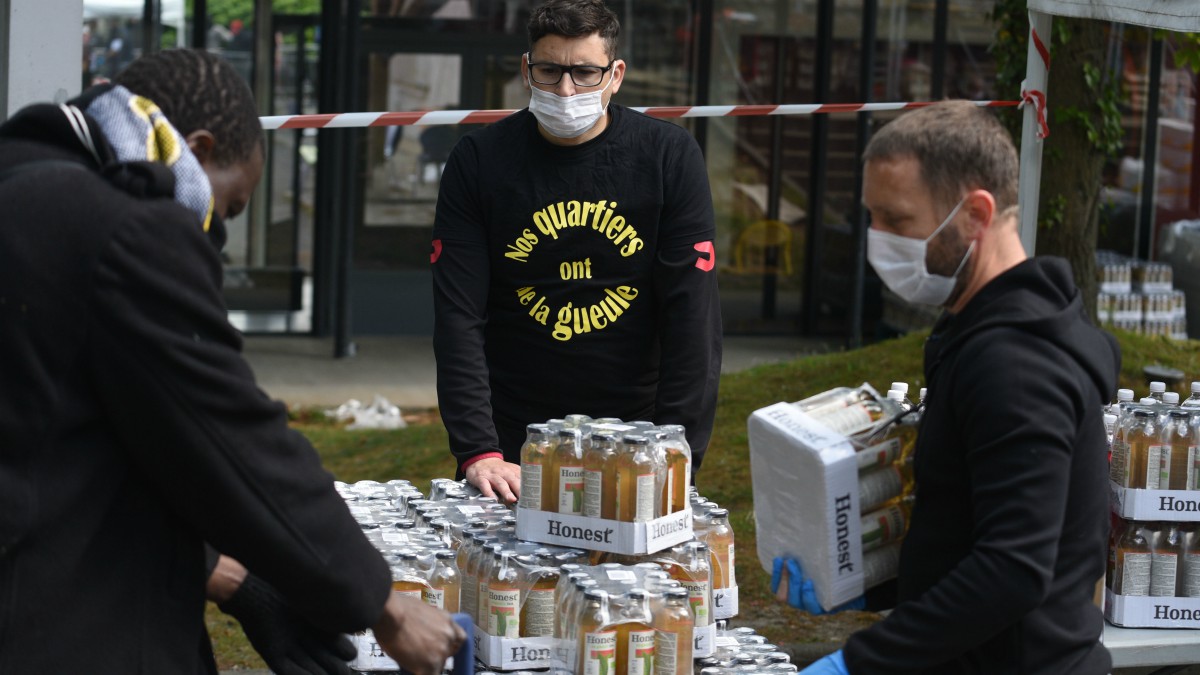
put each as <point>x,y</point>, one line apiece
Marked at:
<point>900,263</point>
<point>568,116</point>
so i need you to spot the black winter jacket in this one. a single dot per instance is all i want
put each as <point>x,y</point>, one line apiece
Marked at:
<point>1010,524</point>
<point>131,429</point>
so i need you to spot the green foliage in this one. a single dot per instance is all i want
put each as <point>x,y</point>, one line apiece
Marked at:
<point>1187,48</point>
<point>223,11</point>
<point>1052,212</point>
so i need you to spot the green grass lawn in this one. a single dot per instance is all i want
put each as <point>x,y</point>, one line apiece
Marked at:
<point>419,453</point>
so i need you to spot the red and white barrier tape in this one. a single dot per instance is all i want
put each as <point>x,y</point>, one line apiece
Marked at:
<point>433,117</point>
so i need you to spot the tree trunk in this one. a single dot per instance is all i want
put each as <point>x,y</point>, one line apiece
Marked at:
<point>1071,164</point>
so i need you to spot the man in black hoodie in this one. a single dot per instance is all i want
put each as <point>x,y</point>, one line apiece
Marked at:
<point>1010,522</point>
<point>131,429</point>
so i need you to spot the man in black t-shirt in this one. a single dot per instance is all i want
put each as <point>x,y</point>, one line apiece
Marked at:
<point>573,261</point>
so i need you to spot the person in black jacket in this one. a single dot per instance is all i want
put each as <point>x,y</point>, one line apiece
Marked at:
<point>1010,522</point>
<point>131,429</point>
<point>573,261</point>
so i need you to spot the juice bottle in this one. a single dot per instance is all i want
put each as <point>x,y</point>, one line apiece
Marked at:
<point>1189,572</point>
<point>1157,389</point>
<point>673,441</point>
<point>568,615</point>
<point>484,566</point>
<point>1164,559</point>
<point>534,455</point>
<point>673,634</point>
<point>636,473</point>
<point>504,597</point>
<point>1179,452</point>
<point>468,566</point>
<point>597,637</point>
<point>886,525</point>
<point>1110,569</point>
<point>877,487</point>
<point>692,569</point>
<point>538,607</point>
<point>1192,401</point>
<point>445,583</point>
<point>568,474</point>
<point>405,579</point>
<point>719,538</point>
<point>1144,449</point>
<point>600,477</point>
<point>635,636</point>
<point>1133,562</point>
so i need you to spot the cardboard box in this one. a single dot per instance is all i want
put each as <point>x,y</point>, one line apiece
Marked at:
<point>1147,612</point>
<point>725,603</point>
<point>370,657</point>
<point>1171,505</point>
<point>806,500</point>
<point>599,534</point>
<point>514,653</point>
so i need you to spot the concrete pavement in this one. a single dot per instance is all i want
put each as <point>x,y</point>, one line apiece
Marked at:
<point>301,371</point>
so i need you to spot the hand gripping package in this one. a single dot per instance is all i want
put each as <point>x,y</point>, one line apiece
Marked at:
<point>832,486</point>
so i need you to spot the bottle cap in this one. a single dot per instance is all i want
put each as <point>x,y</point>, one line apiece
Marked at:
<point>1127,394</point>
<point>895,395</point>
<point>1158,387</point>
<point>901,386</point>
<point>1196,388</point>
<point>1171,398</point>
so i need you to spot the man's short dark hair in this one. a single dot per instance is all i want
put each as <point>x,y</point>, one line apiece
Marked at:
<point>198,90</point>
<point>574,19</point>
<point>960,147</point>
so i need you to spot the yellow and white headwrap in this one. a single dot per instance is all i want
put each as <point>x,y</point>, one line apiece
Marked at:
<point>138,131</point>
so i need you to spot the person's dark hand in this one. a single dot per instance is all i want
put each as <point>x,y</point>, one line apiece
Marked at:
<point>286,641</point>
<point>418,636</point>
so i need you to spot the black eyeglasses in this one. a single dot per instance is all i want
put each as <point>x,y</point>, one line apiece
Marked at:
<point>582,76</point>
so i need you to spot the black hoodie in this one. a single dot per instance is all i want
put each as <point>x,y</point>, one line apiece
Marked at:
<point>1010,523</point>
<point>131,429</point>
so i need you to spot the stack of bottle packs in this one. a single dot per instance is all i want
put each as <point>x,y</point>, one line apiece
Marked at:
<point>1153,573</point>
<point>605,485</point>
<point>832,484</point>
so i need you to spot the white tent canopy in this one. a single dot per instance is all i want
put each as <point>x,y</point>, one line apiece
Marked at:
<point>1177,15</point>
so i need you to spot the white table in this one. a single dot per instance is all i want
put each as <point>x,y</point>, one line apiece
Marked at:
<point>1151,646</point>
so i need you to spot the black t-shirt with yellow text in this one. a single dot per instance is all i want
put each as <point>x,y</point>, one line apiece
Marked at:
<point>574,280</point>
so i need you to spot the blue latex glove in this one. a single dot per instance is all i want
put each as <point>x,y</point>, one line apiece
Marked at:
<point>801,592</point>
<point>833,664</point>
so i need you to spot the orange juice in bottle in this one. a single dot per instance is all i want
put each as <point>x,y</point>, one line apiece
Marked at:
<point>636,480</point>
<point>600,477</point>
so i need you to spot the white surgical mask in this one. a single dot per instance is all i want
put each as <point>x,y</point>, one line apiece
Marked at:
<point>900,263</point>
<point>568,116</point>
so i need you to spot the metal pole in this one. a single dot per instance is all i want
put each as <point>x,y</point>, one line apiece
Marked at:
<point>343,345</point>
<point>199,24</point>
<point>1194,192</point>
<point>1030,181</point>
<point>329,169</point>
<point>816,177</point>
<point>702,62</point>
<point>941,20</point>
<point>866,85</point>
<point>772,253</point>
<point>149,27</point>
<point>1145,226</point>
<point>297,142</point>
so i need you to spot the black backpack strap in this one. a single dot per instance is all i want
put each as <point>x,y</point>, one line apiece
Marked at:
<point>41,164</point>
